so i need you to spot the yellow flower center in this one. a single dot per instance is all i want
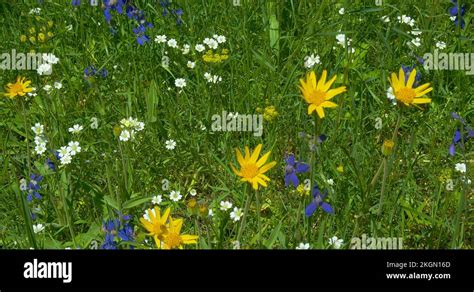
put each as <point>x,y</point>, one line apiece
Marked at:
<point>173,240</point>
<point>159,229</point>
<point>317,97</point>
<point>405,95</point>
<point>16,89</point>
<point>249,170</point>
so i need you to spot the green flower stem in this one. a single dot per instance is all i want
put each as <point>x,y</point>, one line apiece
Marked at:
<point>387,163</point>
<point>246,210</point>
<point>257,199</point>
<point>24,203</point>
<point>69,221</point>
<point>313,167</point>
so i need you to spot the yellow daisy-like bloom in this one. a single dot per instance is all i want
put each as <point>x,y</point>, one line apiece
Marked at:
<point>19,88</point>
<point>318,94</point>
<point>156,226</point>
<point>252,169</point>
<point>174,239</point>
<point>405,93</point>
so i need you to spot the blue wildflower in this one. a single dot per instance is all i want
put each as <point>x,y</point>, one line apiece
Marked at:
<point>126,233</point>
<point>458,135</point>
<point>318,202</point>
<point>50,164</point>
<point>458,12</point>
<point>109,242</point>
<point>292,168</point>
<point>104,73</point>
<point>33,187</point>
<point>90,71</point>
<point>76,2</point>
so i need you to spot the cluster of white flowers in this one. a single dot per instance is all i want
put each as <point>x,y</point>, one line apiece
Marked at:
<point>36,11</point>
<point>310,61</point>
<point>170,144</point>
<point>342,11</point>
<point>130,127</point>
<point>330,181</point>
<point>46,67</point>
<point>236,214</point>
<point>406,19</point>
<point>336,242</point>
<point>303,246</point>
<point>180,82</point>
<point>156,200</point>
<point>461,168</point>
<point>199,48</point>
<point>441,45</point>
<point>236,244</point>
<point>212,78</point>
<point>341,40</point>
<point>37,228</point>
<point>40,140</point>
<point>225,205</point>
<point>66,153</point>
<point>76,129</point>
<point>48,88</point>
<point>186,48</point>
<point>391,96</point>
<point>191,64</point>
<point>175,196</point>
<point>416,41</point>
<point>33,92</point>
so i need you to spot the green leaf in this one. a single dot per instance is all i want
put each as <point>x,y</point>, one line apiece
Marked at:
<point>134,202</point>
<point>111,202</point>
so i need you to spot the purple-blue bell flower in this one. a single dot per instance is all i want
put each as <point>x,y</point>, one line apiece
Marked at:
<point>50,164</point>
<point>292,168</point>
<point>458,12</point>
<point>126,233</point>
<point>76,2</point>
<point>109,242</point>
<point>458,135</point>
<point>142,39</point>
<point>453,11</point>
<point>318,201</point>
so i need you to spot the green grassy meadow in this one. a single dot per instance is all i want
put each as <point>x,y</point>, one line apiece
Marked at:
<point>414,190</point>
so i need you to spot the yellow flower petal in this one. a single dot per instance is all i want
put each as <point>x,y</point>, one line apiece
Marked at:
<point>255,154</point>
<point>411,78</point>
<point>401,76</point>
<point>419,94</point>
<point>320,112</point>
<point>329,104</point>
<point>267,167</point>
<point>328,84</point>
<point>322,81</point>
<point>333,92</point>
<point>421,100</point>
<point>263,159</point>
<point>312,79</point>
<point>395,83</point>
